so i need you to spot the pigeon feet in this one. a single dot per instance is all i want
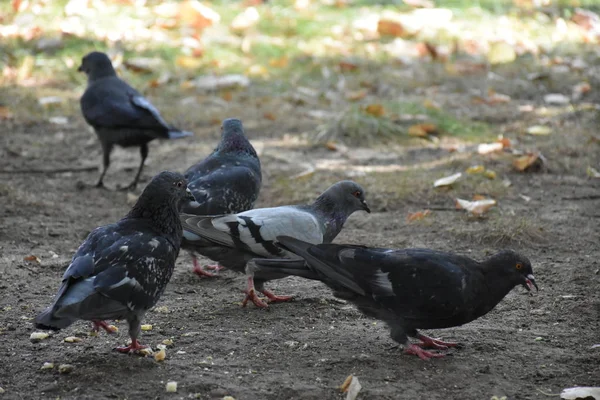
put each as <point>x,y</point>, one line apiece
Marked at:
<point>198,270</point>
<point>431,343</point>
<point>273,298</point>
<point>422,354</point>
<point>251,296</point>
<point>97,324</point>
<point>133,348</point>
<point>215,267</point>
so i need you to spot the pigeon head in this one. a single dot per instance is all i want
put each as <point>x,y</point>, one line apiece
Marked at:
<point>514,267</point>
<point>347,196</point>
<point>96,65</point>
<point>233,138</point>
<point>167,190</point>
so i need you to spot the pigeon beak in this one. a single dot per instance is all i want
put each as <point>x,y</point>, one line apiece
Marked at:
<point>530,283</point>
<point>80,69</point>
<point>189,195</point>
<point>365,206</point>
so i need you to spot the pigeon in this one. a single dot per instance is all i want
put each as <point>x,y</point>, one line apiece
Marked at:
<point>119,114</point>
<point>235,239</point>
<point>227,181</point>
<point>409,289</point>
<point>122,269</point>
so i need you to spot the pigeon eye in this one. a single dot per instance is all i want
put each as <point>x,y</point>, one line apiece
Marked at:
<point>356,194</point>
<point>179,184</point>
<point>519,266</point>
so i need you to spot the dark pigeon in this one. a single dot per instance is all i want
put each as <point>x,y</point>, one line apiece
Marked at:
<point>227,181</point>
<point>409,289</point>
<point>235,239</point>
<point>122,269</point>
<point>119,114</point>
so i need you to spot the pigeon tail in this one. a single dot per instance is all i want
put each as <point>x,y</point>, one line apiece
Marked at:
<point>47,321</point>
<point>176,134</point>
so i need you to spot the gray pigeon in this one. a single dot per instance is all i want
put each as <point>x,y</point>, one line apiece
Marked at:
<point>227,181</point>
<point>409,289</point>
<point>233,240</point>
<point>122,269</point>
<point>119,114</point>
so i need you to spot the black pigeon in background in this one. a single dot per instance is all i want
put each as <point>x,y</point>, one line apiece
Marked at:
<point>227,181</point>
<point>235,239</point>
<point>122,269</point>
<point>119,114</point>
<point>409,289</point>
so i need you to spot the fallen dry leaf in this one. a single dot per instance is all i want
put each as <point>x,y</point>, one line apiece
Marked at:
<point>506,144</point>
<point>477,208</point>
<point>448,180</point>
<point>527,161</point>
<point>417,215</point>
<point>556,99</point>
<point>351,387</point>
<point>188,62</point>
<point>331,146</point>
<point>357,95</point>
<point>160,356</point>
<point>279,62</point>
<point>211,82</point>
<point>257,70</point>
<point>197,15</point>
<point>36,336</point>
<point>5,112</point>
<point>32,258</point>
<point>539,130</point>
<point>592,172</point>
<point>486,148</point>
<point>464,67</point>
<point>387,27</point>
<point>580,89</point>
<point>430,104</point>
<point>501,53</point>
<point>227,96</point>
<point>376,110</point>
<point>475,169</point>
<point>489,174</point>
<point>422,130</point>
<point>580,392</point>
<point>269,116</point>
<point>245,20</point>
<point>347,66</point>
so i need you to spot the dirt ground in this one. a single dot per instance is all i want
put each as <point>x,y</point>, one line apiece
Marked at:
<point>528,347</point>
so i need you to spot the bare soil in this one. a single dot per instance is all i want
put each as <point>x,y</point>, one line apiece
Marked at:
<point>528,347</point>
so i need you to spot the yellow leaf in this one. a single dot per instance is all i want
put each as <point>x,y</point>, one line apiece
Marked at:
<point>501,53</point>
<point>489,174</point>
<point>376,110</point>
<point>331,146</point>
<point>430,104</point>
<point>527,161</point>
<point>539,130</point>
<point>257,70</point>
<point>188,62</point>
<point>475,169</point>
<point>592,172</point>
<point>279,62</point>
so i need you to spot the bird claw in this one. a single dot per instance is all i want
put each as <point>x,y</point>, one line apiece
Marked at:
<point>431,343</point>
<point>215,267</point>
<point>133,348</point>
<point>202,273</point>
<point>251,296</point>
<point>273,298</point>
<point>422,354</point>
<point>96,325</point>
